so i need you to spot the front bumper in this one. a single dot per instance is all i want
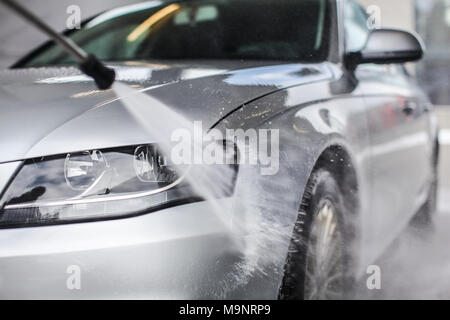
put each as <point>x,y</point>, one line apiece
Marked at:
<point>183,252</point>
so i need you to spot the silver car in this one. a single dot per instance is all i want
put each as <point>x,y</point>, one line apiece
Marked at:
<point>91,208</point>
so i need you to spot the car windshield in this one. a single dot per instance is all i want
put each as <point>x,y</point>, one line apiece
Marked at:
<point>208,29</point>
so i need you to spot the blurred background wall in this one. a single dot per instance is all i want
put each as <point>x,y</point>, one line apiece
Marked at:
<point>395,13</point>
<point>433,23</point>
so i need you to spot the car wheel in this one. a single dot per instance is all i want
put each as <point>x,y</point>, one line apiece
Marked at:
<point>425,216</point>
<point>317,262</point>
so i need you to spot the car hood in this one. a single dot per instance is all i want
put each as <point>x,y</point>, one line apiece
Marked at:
<point>48,111</point>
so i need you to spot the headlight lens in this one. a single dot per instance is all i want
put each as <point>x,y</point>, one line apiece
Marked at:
<point>96,184</point>
<point>84,169</point>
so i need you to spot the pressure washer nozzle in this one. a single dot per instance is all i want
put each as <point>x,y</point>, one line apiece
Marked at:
<point>104,77</point>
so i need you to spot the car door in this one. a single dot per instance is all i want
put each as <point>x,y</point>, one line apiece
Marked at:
<point>400,151</point>
<point>399,145</point>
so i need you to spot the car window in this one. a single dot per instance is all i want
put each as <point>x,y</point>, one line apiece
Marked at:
<point>208,29</point>
<point>355,26</point>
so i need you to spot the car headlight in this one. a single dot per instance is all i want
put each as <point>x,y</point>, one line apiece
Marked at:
<point>94,185</point>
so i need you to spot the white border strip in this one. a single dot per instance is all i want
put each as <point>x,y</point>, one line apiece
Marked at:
<point>444,137</point>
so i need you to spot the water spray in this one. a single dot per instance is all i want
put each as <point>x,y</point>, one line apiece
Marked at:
<point>89,64</point>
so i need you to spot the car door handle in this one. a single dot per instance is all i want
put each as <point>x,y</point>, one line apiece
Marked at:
<point>409,108</point>
<point>427,107</point>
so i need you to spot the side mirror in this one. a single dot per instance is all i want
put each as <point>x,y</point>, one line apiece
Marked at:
<point>386,46</point>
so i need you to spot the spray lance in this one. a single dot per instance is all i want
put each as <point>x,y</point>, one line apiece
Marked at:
<point>104,77</point>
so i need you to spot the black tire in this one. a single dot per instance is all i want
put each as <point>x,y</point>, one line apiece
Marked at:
<point>322,190</point>
<point>425,216</point>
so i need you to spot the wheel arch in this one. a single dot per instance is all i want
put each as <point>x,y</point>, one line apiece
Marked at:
<point>337,159</point>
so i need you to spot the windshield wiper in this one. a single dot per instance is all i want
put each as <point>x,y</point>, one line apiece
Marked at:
<point>89,64</point>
